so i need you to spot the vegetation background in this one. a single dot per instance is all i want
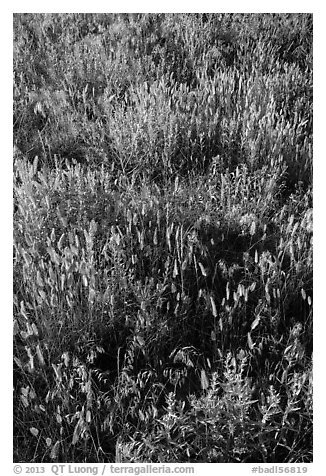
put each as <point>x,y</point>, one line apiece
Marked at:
<point>163,237</point>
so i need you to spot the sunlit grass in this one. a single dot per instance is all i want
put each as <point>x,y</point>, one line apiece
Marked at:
<point>163,238</point>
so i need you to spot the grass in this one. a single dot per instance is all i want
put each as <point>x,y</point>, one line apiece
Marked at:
<point>163,238</point>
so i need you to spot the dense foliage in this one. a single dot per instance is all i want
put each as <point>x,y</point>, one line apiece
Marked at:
<point>163,237</point>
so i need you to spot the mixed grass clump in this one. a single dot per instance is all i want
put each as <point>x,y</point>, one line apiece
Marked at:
<point>163,238</point>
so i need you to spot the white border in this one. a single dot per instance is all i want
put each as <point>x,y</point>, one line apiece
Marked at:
<point>319,197</point>
<point>123,6</point>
